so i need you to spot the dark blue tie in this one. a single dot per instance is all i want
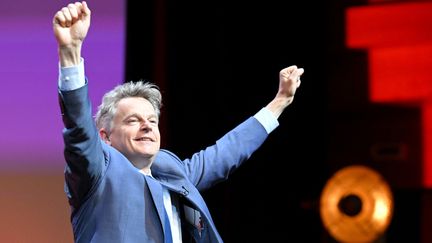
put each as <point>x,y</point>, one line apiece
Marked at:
<point>167,228</point>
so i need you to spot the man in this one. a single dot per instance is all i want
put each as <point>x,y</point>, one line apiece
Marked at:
<point>121,186</point>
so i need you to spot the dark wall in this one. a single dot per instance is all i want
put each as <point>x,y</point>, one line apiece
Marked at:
<point>217,63</point>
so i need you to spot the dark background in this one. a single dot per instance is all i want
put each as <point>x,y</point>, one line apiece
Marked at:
<point>217,63</point>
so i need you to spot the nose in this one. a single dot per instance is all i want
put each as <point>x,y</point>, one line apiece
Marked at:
<point>145,126</point>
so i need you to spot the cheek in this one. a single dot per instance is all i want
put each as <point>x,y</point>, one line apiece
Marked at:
<point>119,136</point>
<point>157,133</point>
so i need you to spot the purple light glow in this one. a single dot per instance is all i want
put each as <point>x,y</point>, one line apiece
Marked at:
<point>31,126</point>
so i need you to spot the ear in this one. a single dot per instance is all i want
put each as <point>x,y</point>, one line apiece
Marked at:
<point>104,135</point>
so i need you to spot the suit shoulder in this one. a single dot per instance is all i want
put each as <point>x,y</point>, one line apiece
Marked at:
<point>166,154</point>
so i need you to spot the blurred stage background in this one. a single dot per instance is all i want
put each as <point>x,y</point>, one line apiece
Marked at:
<point>364,99</point>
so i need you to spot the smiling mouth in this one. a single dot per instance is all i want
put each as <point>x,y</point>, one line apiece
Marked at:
<point>144,139</point>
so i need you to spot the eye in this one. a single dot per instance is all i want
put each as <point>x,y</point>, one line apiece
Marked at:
<point>132,120</point>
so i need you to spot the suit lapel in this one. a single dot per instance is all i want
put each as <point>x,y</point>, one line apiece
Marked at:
<point>156,192</point>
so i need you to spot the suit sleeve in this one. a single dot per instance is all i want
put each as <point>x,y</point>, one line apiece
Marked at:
<point>215,163</point>
<point>83,150</point>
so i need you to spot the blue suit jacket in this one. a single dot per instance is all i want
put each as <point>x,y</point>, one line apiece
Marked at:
<point>111,201</point>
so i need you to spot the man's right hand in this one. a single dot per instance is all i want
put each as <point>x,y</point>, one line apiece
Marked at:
<point>71,25</point>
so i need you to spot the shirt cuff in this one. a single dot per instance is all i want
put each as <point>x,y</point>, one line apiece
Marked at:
<point>71,78</point>
<point>267,119</point>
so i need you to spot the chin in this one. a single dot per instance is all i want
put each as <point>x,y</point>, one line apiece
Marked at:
<point>147,154</point>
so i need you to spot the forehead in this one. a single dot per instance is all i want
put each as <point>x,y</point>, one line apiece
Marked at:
<point>134,105</point>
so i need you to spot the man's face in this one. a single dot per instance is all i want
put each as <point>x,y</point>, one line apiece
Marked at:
<point>134,131</point>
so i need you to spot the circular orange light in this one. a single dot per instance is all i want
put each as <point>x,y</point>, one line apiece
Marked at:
<point>356,205</point>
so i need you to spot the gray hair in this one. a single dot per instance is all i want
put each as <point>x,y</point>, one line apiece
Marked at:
<point>108,107</point>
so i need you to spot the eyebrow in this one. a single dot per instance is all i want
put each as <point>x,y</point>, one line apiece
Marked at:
<point>139,115</point>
